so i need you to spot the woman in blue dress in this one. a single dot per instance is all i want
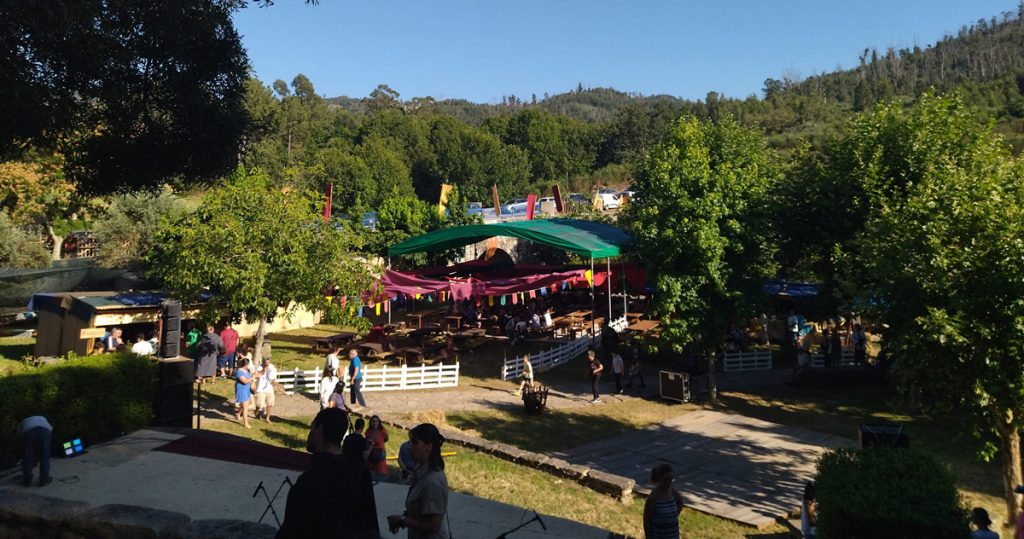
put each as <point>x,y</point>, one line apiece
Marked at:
<point>243,391</point>
<point>661,512</point>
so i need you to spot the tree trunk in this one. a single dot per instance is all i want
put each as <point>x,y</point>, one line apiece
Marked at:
<point>1009,450</point>
<point>712,383</point>
<point>58,241</point>
<point>257,354</point>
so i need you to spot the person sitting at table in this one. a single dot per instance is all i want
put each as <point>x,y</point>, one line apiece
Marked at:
<point>472,316</point>
<point>376,335</point>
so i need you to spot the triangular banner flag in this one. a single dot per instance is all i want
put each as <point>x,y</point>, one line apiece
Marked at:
<point>502,300</point>
<point>515,299</point>
<point>376,309</point>
<point>490,301</point>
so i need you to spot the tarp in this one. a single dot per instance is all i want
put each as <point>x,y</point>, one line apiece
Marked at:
<point>585,238</point>
<point>395,282</point>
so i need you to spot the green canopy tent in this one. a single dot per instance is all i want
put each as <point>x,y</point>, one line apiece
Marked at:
<point>585,238</point>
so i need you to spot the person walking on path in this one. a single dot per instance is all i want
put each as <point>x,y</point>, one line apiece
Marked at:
<point>426,504</point>
<point>208,349</point>
<point>527,375</point>
<point>332,361</point>
<point>243,392</point>
<point>377,435</point>
<point>661,511</point>
<point>596,368</point>
<point>618,369</point>
<point>337,397</point>
<point>860,345</point>
<point>327,384</point>
<point>334,497</point>
<point>355,378</point>
<point>266,378</point>
<point>634,369</point>
<point>35,435</point>
<point>229,338</point>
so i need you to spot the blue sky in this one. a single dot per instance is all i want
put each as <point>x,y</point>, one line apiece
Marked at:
<point>482,50</point>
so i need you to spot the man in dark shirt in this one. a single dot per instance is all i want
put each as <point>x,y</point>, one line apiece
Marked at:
<point>334,498</point>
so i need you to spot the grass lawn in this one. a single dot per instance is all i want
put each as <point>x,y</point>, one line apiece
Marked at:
<point>12,349</point>
<point>488,477</point>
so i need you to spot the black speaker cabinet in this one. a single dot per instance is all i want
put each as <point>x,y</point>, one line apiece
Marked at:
<point>174,392</point>
<point>883,435</point>
<point>675,386</point>
<point>171,309</point>
<point>170,344</point>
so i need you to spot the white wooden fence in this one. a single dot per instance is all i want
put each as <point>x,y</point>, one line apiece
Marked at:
<point>513,368</point>
<point>818,360</point>
<point>752,360</point>
<point>619,324</point>
<point>383,378</point>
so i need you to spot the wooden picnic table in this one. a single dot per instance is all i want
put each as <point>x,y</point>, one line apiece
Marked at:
<point>634,317</point>
<point>420,316</point>
<point>644,326</point>
<point>453,319</point>
<point>580,314</point>
<point>342,338</point>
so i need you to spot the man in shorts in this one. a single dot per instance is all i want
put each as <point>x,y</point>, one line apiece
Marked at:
<point>266,376</point>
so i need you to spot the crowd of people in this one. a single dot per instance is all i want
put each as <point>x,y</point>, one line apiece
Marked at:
<point>335,498</point>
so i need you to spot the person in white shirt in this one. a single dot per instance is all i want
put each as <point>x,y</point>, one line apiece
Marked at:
<point>527,375</point>
<point>332,361</point>
<point>266,376</point>
<point>617,370</point>
<point>142,347</point>
<point>327,384</point>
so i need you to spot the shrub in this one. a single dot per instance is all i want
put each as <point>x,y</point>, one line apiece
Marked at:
<point>887,493</point>
<point>96,398</point>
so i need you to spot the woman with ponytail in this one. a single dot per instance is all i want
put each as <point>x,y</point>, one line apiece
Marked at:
<point>426,504</point>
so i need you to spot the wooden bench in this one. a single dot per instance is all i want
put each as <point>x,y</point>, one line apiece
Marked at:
<point>330,341</point>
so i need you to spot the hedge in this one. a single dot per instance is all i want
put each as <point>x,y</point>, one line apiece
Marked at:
<point>96,398</point>
<point>884,492</point>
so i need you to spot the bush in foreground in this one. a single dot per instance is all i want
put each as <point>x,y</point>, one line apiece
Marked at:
<point>95,398</point>
<point>877,493</point>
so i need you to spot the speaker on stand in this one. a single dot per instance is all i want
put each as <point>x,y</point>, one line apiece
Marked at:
<point>170,329</point>
<point>175,377</point>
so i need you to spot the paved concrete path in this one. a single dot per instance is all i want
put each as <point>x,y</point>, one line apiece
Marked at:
<point>128,471</point>
<point>728,465</point>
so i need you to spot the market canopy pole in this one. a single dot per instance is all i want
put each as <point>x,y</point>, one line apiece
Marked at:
<point>609,279</point>
<point>593,300</point>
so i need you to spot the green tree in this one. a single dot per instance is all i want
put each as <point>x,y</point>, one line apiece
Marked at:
<point>19,249</point>
<point>132,93</point>
<point>702,230</point>
<point>125,234</point>
<point>941,257</point>
<point>388,172</point>
<point>473,160</point>
<point>256,248</point>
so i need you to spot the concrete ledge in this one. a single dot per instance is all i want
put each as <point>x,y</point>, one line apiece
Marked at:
<point>613,485</point>
<point>117,520</point>
<point>228,529</point>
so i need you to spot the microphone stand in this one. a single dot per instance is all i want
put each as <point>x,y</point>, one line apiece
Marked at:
<point>505,535</point>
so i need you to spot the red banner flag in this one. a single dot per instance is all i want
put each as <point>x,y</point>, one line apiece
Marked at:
<point>531,203</point>
<point>329,193</point>
<point>557,193</point>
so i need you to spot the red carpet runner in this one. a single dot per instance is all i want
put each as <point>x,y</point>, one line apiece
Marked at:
<point>240,450</point>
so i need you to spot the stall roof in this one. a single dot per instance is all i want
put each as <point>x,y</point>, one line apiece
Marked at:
<point>585,238</point>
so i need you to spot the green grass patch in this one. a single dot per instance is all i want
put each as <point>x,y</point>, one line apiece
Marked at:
<point>550,431</point>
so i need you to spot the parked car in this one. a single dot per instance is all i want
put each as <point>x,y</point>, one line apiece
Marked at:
<point>475,208</point>
<point>514,206</point>
<point>577,198</point>
<point>370,220</point>
<point>609,198</point>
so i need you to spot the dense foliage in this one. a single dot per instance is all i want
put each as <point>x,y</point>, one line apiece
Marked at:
<point>96,398</point>
<point>126,232</point>
<point>253,247</point>
<point>19,249</point>
<point>133,93</point>
<point>887,493</point>
<point>702,229</point>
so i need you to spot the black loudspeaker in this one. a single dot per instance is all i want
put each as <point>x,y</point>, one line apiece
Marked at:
<point>675,386</point>
<point>173,406</point>
<point>170,344</point>
<point>883,435</point>
<point>170,329</point>
<point>171,309</point>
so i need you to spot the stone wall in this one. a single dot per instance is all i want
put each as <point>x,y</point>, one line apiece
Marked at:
<point>25,515</point>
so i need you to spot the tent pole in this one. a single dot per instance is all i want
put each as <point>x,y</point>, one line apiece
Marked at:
<point>593,300</point>
<point>608,278</point>
<point>625,296</point>
<point>387,266</point>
